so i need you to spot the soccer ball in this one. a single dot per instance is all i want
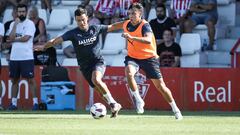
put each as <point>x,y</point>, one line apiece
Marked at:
<point>98,110</point>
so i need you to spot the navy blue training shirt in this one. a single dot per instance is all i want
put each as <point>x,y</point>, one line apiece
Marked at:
<point>86,43</point>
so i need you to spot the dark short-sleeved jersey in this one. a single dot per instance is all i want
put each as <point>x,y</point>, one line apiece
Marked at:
<point>167,54</point>
<point>159,27</point>
<point>86,44</point>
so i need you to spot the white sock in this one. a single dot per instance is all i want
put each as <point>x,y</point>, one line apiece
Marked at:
<point>174,106</point>
<point>35,100</point>
<point>14,101</point>
<point>137,95</point>
<point>109,98</point>
<point>0,101</point>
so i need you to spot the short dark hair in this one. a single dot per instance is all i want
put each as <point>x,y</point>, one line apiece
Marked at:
<point>22,6</point>
<point>169,29</point>
<point>137,6</point>
<point>161,5</point>
<point>80,11</point>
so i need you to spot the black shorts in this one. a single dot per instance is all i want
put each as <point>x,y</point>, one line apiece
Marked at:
<point>150,66</point>
<point>98,65</point>
<point>24,68</point>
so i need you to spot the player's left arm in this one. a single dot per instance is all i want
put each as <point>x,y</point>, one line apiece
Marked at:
<point>115,26</point>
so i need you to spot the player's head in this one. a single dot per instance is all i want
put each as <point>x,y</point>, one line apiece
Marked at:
<point>22,11</point>
<point>81,18</point>
<point>135,12</point>
<point>168,35</point>
<point>161,11</point>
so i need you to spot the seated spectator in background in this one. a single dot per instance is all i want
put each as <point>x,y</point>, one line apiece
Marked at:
<point>47,5</point>
<point>104,10</point>
<point>169,51</point>
<point>47,57</point>
<point>161,23</point>
<point>180,10</point>
<point>39,25</point>
<point>91,16</point>
<point>122,8</point>
<point>203,12</point>
<point>69,52</point>
<point>14,3</point>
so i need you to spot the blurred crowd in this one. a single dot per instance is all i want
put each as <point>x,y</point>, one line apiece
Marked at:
<point>182,16</point>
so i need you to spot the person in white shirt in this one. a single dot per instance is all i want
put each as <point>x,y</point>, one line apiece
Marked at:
<point>1,40</point>
<point>21,58</point>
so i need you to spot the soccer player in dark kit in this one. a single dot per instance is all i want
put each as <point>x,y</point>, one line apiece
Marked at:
<point>85,41</point>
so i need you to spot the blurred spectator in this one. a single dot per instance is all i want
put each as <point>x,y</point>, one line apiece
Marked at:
<point>39,25</point>
<point>69,52</point>
<point>14,3</point>
<point>122,7</point>
<point>91,16</point>
<point>3,4</point>
<point>180,12</point>
<point>161,23</point>
<point>47,5</point>
<point>105,10</point>
<point>47,57</point>
<point>169,51</point>
<point>203,12</point>
<point>21,63</point>
<point>1,39</point>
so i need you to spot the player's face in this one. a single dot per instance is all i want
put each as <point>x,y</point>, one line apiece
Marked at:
<point>134,15</point>
<point>82,21</point>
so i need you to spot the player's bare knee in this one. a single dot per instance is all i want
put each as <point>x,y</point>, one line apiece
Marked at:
<point>96,81</point>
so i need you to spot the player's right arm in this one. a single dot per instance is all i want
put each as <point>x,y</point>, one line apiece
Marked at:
<point>49,44</point>
<point>53,42</point>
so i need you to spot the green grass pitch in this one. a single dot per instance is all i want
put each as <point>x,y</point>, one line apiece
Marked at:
<point>127,123</point>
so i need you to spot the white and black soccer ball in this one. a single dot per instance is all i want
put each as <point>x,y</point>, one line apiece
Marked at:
<point>98,110</point>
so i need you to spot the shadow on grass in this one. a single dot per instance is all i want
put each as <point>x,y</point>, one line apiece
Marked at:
<point>132,112</point>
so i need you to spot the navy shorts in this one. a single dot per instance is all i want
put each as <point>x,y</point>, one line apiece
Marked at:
<point>24,68</point>
<point>98,65</point>
<point>150,66</point>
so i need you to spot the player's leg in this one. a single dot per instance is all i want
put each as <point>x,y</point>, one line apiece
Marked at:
<point>131,69</point>
<point>27,72</point>
<point>14,69</point>
<point>102,88</point>
<point>165,91</point>
<point>151,68</point>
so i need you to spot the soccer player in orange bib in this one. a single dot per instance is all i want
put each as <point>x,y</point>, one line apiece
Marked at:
<point>141,46</point>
